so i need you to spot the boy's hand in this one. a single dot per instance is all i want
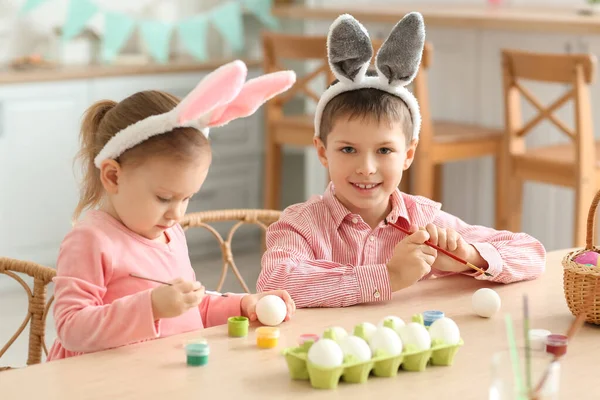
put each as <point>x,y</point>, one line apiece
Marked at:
<point>449,239</point>
<point>249,301</point>
<point>412,260</point>
<point>172,301</point>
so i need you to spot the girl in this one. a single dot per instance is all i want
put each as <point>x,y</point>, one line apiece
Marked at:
<point>144,158</point>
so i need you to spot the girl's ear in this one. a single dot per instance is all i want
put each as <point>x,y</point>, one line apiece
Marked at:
<point>110,171</point>
<point>398,59</point>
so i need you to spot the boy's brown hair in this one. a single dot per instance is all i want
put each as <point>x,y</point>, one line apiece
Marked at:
<point>367,103</point>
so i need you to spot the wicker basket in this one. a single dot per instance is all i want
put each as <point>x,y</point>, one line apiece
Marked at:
<point>580,282</point>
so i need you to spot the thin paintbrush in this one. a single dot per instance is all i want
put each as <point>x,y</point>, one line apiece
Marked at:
<point>169,284</point>
<point>460,260</point>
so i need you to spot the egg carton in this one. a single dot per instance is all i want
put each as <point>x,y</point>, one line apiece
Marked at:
<point>380,365</point>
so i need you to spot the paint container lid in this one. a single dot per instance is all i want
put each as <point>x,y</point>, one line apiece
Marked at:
<point>308,337</point>
<point>432,315</point>
<point>267,332</point>
<point>197,349</point>
<point>537,338</point>
<point>556,340</point>
<point>237,326</point>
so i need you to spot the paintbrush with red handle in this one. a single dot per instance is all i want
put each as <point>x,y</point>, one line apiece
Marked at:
<point>460,260</point>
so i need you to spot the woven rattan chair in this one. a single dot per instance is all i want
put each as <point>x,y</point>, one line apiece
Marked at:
<point>203,219</point>
<point>38,306</point>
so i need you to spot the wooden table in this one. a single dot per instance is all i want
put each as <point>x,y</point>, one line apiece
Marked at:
<point>237,369</point>
<point>512,18</point>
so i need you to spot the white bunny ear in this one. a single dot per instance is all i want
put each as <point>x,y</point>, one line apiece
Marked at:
<point>253,94</point>
<point>217,89</point>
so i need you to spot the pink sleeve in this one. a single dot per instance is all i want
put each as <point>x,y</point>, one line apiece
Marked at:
<point>83,322</point>
<point>290,264</point>
<point>215,310</point>
<point>511,257</point>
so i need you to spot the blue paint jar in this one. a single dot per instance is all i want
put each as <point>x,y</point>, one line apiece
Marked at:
<point>430,316</point>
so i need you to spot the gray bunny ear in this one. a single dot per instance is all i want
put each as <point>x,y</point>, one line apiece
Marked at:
<point>349,49</point>
<point>399,57</point>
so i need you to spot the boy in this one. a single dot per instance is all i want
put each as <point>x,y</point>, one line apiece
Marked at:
<point>336,250</point>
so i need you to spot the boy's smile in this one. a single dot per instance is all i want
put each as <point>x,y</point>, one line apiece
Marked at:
<point>366,159</point>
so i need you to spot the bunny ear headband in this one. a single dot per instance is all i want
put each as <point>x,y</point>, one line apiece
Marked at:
<point>349,51</point>
<point>219,98</point>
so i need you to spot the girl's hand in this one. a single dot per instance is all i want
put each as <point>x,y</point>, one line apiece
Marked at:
<point>249,301</point>
<point>172,301</point>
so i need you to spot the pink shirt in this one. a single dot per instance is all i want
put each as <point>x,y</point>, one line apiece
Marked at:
<point>99,306</point>
<point>325,256</point>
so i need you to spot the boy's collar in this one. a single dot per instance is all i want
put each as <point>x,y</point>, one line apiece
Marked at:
<point>339,212</point>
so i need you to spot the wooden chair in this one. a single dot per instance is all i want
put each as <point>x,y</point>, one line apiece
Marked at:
<point>286,129</point>
<point>203,219</point>
<point>444,141</point>
<point>575,164</point>
<point>38,306</point>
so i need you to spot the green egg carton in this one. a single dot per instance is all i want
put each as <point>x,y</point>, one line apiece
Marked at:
<point>380,365</point>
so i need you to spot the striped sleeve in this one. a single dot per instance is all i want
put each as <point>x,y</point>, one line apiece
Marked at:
<point>511,256</point>
<point>290,264</point>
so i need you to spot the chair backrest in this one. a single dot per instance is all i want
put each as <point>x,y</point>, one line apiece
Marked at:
<point>262,218</point>
<point>38,306</point>
<point>420,90</point>
<point>278,47</point>
<point>575,70</point>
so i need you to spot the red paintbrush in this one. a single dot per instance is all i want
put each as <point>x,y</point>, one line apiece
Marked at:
<point>460,260</point>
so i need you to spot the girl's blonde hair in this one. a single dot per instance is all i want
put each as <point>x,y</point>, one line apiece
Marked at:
<point>103,119</point>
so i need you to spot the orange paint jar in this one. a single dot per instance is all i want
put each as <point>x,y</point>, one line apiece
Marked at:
<point>267,337</point>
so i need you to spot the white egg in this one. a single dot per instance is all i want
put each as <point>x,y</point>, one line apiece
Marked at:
<point>486,302</point>
<point>357,347</point>
<point>365,330</point>
<point>326,353</point>
<point>386,340</point>
<point>336,333</point>
<point>416,335</point>
<point>445,329</point>
<point>271,310</point>
<point>395,322</point>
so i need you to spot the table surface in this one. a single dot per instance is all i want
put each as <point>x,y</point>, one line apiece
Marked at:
<point>474,16</point>
<point>237,369</point>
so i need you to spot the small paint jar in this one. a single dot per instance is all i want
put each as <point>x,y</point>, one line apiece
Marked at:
<point>313,337</point>
<point>538,337</point>
<point>430,316</point>
<point>556,345</point>
<point>237,326</point>
<point>267,337</point>
<point>197,354</point>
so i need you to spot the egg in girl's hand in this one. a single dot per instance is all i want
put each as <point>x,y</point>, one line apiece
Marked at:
<point>336,333</point>
<point>365,331</point>
<point>415,335</point>
<point>326,353</point>
<point>387,341</point>
<point>271,310</point>
<point>485,302</point>
<point>392,322</point>
<point>357,347</point>
<point>446,330</point>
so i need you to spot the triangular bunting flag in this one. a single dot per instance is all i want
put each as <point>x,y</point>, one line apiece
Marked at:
<point>262,10</point>
<point>78,14</point>
<point>157,36</point>
<point>117,29</point>
<point>193,35</point>
<point>228,21</point>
